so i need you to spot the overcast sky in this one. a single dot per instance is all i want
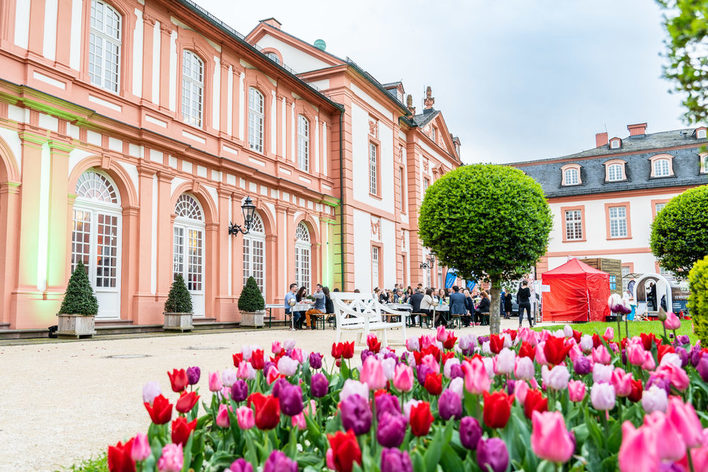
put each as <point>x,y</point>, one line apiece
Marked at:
<point>515,79</point>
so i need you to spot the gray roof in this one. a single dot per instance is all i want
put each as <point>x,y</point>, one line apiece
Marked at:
<point>635,151</point>
<point>426,117</point>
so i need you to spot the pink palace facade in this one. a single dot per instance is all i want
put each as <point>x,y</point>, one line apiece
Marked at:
<point>132,131</point>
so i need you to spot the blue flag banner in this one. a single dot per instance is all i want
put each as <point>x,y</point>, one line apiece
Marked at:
<point>450,279</point>
<point>471,284</point>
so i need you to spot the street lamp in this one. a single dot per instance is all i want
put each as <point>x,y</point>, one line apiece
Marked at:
<point>248,208</point>
<point>429,261</point>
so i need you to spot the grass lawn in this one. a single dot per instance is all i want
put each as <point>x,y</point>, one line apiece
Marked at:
<point>635,328</point>
<point>97,464</point>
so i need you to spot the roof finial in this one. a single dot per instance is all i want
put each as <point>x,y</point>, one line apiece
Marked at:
<point>429,100</point>
<point>409,103</point>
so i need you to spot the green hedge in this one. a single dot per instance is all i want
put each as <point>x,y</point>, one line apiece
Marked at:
<point>698,299</point>
<point>179,300</point>
<point>79,298</point>
<point>251,299</point>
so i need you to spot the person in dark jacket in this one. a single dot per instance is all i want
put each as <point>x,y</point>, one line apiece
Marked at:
<point>414,301</point>
<point>457,303</point>
<point>469,305</point>
<point>523,298</point>
<point>483,306</point>
<point>507,305</point>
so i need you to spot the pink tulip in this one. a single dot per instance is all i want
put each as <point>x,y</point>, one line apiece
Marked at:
<point>638,449</point>
<point>601,355</point>
<point>431,363</point>
<point>524,368</point>
<point>403,378</point>
<point>172,458</point>
<point>442,335</point>
<point>412,344</point>
<point>540,355</point>
<point>558,378</point>
<point>654,399</point>
<point>622,382</point>
<point>353,387</point>
<point>222,417</point>
<point>287,366</point>
<point>610,333</point>
<point>215,382</point>
<point>289,344</point>
<point>504,362</point>
<point>447,368</point>
<point>684,418</point>
<point>649,363</point>
<point>575,351</point>
<point>272,375</point>
<point>673,448</point>
<point>528,336</point>
<point>276,347</point>
<point>245,371</point>
<point>521,388</point>
<point>602,373</point>
<point>298,421</point>
<point>426,341</point>
<point>245,417</point>
<point>296,354</point>
<point>372,373</point>
<point>635,354</point>
<point>675,375</point>
<point>672,321</point>
<point>586,343</point>
<point>476,378</point>
<point>602,396</point>
<point>576,390</point>
<point>141,448</point>
<point>310,408</point>
<point>699,455</point>
<point>329,456</point>
<point>550,439</point>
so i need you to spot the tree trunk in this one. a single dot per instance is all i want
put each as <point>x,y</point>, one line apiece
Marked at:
<point>494,316</point>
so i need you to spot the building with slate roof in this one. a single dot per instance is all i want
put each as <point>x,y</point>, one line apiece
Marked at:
<point>604,199</point>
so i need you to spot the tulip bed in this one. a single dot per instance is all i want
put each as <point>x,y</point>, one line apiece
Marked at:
<point>522,400</point>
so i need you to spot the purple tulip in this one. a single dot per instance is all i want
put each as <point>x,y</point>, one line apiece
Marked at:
<point>510,386</point>
<point>392,429</point>
<point>423,370</point>
<point>387,403</point>
<point>683,339</point>
<point>449,405</point>
<point>239,391</point>
<point>390,355</point>
<point>470,432</point>
<point>365,355</point>
<point>683,355</point>
<point>240,465</point>
<point>278,385</point>
<point>290,397</point>
<point>581,365</point>
<point>456,371</point>
<point>356,414</point>
<point>395,460</point>
<point>279,462</point>
<point>267,366</point>
<point>492,455</point>
<point>659,382</point>
<point>482,339</point>
<point>702,367</point>
<point>193,374</point>
<point>315,360</point>
<point>623,357</point>
<point>319,385</point>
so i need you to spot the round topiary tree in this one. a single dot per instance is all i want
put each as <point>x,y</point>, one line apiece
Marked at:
<point>678,234</point>
<point>251,299</point>
<point>490,222</point>
<point>178,300</point>
<point>79,298</point>
<point>698,299</point>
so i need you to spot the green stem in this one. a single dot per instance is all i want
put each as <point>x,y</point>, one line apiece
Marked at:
<point>690,460</point>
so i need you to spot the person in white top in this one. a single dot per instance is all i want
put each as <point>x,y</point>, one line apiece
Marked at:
<point>426,304</point>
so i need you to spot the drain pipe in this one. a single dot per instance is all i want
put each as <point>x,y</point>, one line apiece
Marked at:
<point>341,192</point>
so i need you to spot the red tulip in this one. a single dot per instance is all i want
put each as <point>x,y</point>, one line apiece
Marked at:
<point>373,343</point>
<point>181,430</point>
<point>447,355</point>
<point>496,343</point>
<point>267,410</point>
<point>433,383</point>
<point>555,349</point>
<point>664,349</point>
<point>421,419</point>
<point>648,340</point>
<point>336,350</point>
<point>527,350</point>
<point>178,379</point>
<point>257,359</point>
<point>534,401</point>
<point>237,358</point>
<point>497,408</point>
<point>160,411</point>
<point>450,341</point>
<point>348,350</point>
<point>186,402</point>
<point>345,450</point>
<point>577,335</point>
<point>120,457</point>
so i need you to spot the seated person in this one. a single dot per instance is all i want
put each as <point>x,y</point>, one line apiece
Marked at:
<point>483,307</point>
<point>317,309</point>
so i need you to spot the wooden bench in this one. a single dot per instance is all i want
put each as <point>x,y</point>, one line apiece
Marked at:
<point>362,313</point>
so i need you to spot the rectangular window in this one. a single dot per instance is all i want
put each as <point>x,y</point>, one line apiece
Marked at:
<point>192,88</point>
<point>573,225</point>
<point>402,176</point>
<point>626,270</point>
<point>403,279</point>
<point>659,207</point>
<point>614,172</point>
<point>662,168</point>
<point>426,184</point>
<point>572,177</point>
<point>618,222</point>
<point>303,143</point>
<point>104,46</point>
<point>374,266</point>
<point>255,120</point>
<point>373,169</point>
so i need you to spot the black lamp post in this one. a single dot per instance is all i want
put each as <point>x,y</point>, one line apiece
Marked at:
<point>429,261</point>
<point>248,208</point>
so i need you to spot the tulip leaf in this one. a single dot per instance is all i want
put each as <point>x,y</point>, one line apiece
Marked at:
<point>432,455</point>
<point>187,451</point>
<point>450,460</point>
<point>417,461</point>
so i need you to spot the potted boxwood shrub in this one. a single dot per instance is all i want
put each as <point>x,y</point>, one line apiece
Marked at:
<point>79,308</point>
<point>251,305</point>
<point>178,307</point>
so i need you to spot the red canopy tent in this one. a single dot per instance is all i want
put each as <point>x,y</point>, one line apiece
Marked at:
<point>575,292</point>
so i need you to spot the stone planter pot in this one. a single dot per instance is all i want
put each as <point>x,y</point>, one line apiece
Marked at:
<point>76,326</point>
<point>252,319</point>
<point>178,322</point>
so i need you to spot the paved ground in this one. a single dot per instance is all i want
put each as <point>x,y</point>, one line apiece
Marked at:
<point>66,401</point>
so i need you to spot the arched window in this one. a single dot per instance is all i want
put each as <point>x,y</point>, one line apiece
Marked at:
<point>104,46</point>
<point>254,262</point>
<point>615,171</point>
<point>661,168</point>
<point>302,256</point>
<point>273,57</point>
<point>188,248</point>
<point>95,238</point>
<point>571,174</point>
<point>255,119</point>
<point>303,143</point>
<point>192,89</point>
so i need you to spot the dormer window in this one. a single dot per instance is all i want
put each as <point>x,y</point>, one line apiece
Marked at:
<point>570,175</point>
<point>704,162</point>
<point>615,171</point>
<point>701,132</point>
<point>661,165</point>
<point>273,57</point>
<point>615,143</point>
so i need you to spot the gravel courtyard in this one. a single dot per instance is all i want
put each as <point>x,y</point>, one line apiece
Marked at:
<point>68,400</point>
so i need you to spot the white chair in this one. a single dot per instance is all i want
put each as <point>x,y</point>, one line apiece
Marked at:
<point>362,313</point>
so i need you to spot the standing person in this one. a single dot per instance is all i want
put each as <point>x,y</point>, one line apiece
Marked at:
<point>290,301</point>
<point>507,305</point>
<point>523,298</point>
<point>329,304</point>
<point>300,315</point>
<point>414,300</point>
<point>457,303</point>
<point>652,296</point>
<point>483,307</point>
<point>469,305</point>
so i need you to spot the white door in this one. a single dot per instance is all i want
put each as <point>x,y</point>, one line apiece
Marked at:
<point>95,239</point>
<point>188,249</point>
<point>254,260</point>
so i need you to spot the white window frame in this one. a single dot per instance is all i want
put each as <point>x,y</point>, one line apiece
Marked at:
<point>303,143</point>
<point>373,168</point>
<point>573,225</point>
<point>254,253</point>
<point>571,176</point>
<point>619,226</point>
<point>192,88</point>
<point>618,170</point>
<point>256,119</point>
<point>303,256</point>
<point>273,57</point>
<point>192,227</point>
<point>615,143</point>
<point>375,261</point>
<point>661,167</point>
<point>99,40</point>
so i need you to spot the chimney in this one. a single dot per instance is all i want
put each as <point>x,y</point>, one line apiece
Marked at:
<point>272,22</point>
<point>409,104</point>
<point>639,129</point>
<point>601,139</point>
<point>429,100</point>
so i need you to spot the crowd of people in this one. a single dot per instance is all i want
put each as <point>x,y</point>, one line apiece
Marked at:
<point>471,306</point>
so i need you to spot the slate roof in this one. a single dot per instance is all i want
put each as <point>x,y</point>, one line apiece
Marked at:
<point>635,151</point>
<point>426,117</point>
